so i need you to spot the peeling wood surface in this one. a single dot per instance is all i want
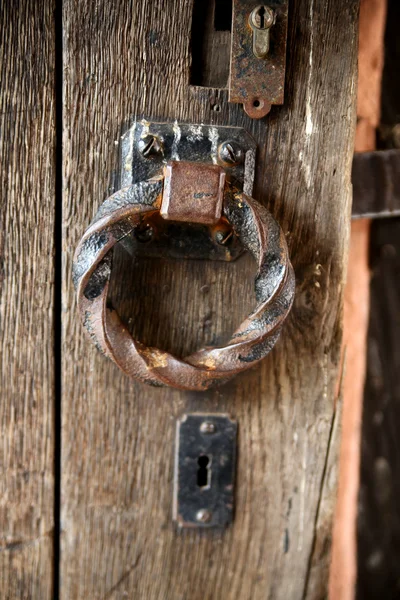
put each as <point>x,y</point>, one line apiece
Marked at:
<point>27,167</point>
<point>118,437</point>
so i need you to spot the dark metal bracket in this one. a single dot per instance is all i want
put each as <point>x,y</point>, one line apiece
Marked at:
<point>376,184</point>
<point>258,55</point>
<point>147,147</point>
<point>204,470</point>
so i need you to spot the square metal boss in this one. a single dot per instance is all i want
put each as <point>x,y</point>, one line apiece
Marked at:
<point>193,192</point>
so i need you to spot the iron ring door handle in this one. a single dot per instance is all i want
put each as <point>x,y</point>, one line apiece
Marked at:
<point>121,214</point>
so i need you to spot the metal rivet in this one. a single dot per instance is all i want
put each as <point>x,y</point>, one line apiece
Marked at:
<point>203,516</point>
<point>207,427</point>
<point>230,153</point>
<point>224,237</point>
<point>150,146</point>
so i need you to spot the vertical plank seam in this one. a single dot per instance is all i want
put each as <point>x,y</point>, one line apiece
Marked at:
<point>336,412</point>
<point>58,27</point>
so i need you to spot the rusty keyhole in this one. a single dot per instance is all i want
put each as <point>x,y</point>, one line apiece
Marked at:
<point>261,20</point>
<point>204,471</point>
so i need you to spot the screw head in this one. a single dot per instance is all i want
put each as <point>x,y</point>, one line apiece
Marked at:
<point>230,153</point>
<point>207,427</point>
<point>224,237</point>
<point>203,515</point>
<point>262,17</point>
<point>150,146</point>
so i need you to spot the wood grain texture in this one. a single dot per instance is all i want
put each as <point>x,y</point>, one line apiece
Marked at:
<point>27,167</point>
<point>118,437</point>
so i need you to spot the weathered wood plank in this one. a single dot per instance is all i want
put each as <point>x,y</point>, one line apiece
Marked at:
<point>27,166</point>
<point>118,437</point>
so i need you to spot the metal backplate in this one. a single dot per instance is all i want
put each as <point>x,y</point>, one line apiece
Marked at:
<point>258,82</point>
<point>204,470</point>
<point>145,150</point>
<point>182,141</point>
<point>159,238</point>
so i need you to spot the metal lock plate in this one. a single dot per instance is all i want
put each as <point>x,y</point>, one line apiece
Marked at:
<point>258,56</point>
<point>147,147</point>
<point>204,470</point>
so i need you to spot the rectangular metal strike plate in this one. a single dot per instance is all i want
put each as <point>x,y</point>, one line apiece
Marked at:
<point>205,465</point>
<point>258,55</point>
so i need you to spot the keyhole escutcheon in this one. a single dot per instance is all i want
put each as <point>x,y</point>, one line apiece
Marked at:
<point>204,472</point>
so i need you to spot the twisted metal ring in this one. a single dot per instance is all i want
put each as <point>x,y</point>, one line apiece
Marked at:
<point>259,233</point>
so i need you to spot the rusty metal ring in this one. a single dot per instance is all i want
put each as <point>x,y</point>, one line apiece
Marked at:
<point>259,233</point>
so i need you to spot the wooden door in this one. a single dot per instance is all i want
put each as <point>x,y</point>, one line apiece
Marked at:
<point>113,484</point>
